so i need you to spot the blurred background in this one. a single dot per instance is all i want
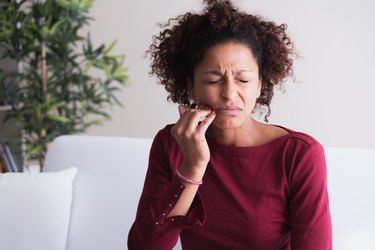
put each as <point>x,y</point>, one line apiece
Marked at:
<point>332,97</point>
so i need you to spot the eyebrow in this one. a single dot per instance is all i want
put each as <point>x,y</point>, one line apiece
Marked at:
<point>217,72</point>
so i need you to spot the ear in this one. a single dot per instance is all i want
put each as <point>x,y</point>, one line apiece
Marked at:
<point>260,83</point>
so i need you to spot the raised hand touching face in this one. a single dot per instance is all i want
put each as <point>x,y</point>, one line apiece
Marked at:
<point>189,133</point>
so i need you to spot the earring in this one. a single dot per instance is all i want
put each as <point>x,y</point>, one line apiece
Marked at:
<point>192,104</point>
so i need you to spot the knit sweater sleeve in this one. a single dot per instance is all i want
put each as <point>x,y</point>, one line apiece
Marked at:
<point>153,229</point>
<point>309,205</point>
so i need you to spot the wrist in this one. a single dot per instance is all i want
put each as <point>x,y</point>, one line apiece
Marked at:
<point>194,172</point>
<point>188,180</point>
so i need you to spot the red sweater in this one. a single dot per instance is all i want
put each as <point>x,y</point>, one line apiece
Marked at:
<point>272,196</point>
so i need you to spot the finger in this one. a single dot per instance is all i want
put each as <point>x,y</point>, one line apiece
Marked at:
<point>193,115</point>
<point>204,124</point>
<point>183,123</point>
<point>185,114</point>
<point>202,111</point>
<point>189,119</point>
<point>181,110</point>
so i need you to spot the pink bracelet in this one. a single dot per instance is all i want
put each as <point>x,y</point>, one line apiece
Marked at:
<point>191,181</point>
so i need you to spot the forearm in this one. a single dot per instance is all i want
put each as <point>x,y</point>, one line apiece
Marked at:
<point>145,235</point>
<point>187,197</point>
<point>154,228</point>
<point>189,133</point>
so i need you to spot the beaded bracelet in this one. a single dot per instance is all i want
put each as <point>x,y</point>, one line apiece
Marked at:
<point>191,181</point>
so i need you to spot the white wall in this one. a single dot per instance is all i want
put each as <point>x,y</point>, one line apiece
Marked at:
<point>332,99</point>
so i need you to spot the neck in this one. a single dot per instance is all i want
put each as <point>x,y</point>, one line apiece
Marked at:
<point>244,136</point>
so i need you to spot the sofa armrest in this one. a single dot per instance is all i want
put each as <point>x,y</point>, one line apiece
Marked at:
<point>109,182</point>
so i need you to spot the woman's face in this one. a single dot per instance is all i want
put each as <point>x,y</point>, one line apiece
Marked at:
<point>227,80</point>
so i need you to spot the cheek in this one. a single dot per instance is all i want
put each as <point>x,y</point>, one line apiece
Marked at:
<point>252,92</point>
<point>249,97</point>
<point>205,96</point>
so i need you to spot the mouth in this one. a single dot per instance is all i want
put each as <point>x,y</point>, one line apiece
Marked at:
<point>229,110</point>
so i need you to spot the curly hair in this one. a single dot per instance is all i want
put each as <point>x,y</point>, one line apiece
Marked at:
<point>182,43</point>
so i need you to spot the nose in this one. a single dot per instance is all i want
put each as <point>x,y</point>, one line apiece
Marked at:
<point>229,89</point>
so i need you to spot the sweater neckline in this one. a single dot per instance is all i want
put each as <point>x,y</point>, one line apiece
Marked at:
<point>216,146</point>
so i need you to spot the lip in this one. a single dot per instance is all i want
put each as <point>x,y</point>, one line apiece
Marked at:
<point>229,110</point>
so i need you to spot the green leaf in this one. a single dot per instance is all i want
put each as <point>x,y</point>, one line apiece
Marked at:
<point>86,4</point>
<point>57,118</point>
<point>63,3</point>
<point>122,79</point>
<point>110,47</point>
<point>56,26</point>
<point>43,133</point>
<point>53,106</point>
<point>44,32</point>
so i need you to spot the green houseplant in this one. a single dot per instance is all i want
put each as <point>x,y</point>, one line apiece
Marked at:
<point>62,82</point>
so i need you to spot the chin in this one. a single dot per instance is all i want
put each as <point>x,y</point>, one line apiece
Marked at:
<point>227,123</point>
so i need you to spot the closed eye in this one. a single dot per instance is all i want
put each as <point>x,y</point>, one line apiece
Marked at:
<point>213,82</point>
<point>243,81</point>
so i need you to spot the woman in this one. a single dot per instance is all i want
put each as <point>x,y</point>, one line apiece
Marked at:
<point>218,178</point>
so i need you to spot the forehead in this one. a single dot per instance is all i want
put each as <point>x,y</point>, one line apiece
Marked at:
<point>228,54</point>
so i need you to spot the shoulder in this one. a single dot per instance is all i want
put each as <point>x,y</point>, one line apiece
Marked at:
<point>164,138</point>
<point>300,139</point>
<point>164,133</point>
<point>271,133</point>
<point>303,150</point>
<point>299,145</point>
<point>165,149</point>
<point>303,158</point>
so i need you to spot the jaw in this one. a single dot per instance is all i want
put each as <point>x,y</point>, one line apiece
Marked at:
<point>225,123</point>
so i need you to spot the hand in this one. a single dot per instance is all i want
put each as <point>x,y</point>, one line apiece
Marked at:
<point>189,133</point>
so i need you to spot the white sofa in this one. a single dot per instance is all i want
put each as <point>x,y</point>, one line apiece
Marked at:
<point>110,177</point>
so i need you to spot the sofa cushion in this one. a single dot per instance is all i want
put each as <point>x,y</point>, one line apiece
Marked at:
<point>35,209</point>
<point>351,186</point>
<point>111,172</point>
